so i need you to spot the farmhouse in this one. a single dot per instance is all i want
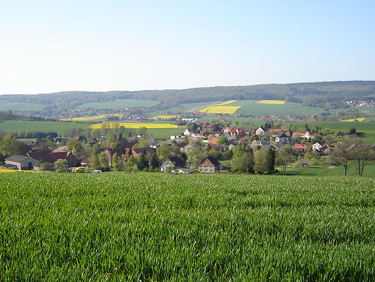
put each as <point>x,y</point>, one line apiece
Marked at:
<point>21,162</point>
<point>172,163</point>
<point>209,165</point>
<point>51,157</point>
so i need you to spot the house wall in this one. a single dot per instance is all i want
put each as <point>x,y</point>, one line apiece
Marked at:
<point>207,168</point>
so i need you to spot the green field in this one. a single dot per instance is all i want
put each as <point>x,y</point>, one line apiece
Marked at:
<point>369,170</point>
<point>59,127</point>
<point>184,107</point>
<point>20,106</point>
<point>251,107</point>
<point>120,104</point>
<point>158,227</point>
<point>364,127</point>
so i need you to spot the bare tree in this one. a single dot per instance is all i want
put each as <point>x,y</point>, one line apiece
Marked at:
<point>361,153</point>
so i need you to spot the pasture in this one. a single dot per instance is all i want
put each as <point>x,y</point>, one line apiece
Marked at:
<point>159,227</point>
<point>19,125</point>
<point>120,104</point>
<point>6,106</point>
<point>135,125</point>
<point>255,108</point>
<point>367,129</point>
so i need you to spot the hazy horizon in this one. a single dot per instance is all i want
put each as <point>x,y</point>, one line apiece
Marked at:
<point>145,45</point>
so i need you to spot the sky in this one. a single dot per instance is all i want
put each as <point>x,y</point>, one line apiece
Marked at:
<point>65,45</point>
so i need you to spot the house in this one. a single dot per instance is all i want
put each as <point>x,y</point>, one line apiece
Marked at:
<point>110,152</point>
<point>243,140</point>
<point>172,163</point>
<point>282,137</point>
<point>316,146</point>
<point>68,156</point>
<point>260,131</point>
<point>265,143</point>
<point>300,147</point>
<point>147,151</point>
<point>188,132</point>
<point>21,162</point>
<point>209,165</point>
<point>308,136</point>
<point>213,141</point>
<point>51,157</point>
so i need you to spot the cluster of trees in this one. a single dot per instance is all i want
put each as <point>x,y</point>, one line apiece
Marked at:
<point>352,150</point>
<point>262,160</point>
<point>35,134</point>
<point>8,146</point>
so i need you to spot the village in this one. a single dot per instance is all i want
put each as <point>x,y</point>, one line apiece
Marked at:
<point>206,147</point>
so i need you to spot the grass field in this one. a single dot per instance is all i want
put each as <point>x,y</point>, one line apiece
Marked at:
<point>120,104</point>
<point>367,128</point>
<point>158,227</point>
<point>59,127</point>
<point>254,108</point>
<point>20,106</point>
<point>136,125</point>
<point>369,171</point>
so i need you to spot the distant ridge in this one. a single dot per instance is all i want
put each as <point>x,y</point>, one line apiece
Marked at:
<point>311,94</point>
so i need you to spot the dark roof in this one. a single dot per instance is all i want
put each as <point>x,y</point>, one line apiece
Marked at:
<point>44,156</point>
<point>17,158</point>
<point>177,161</point>
<point>118,151</point>
<point>210,160</point>
<point>145,150</point>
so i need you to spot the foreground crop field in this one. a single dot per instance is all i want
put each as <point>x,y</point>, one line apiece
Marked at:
<point>154,227</point>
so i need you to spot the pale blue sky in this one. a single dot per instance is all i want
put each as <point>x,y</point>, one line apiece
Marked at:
<point>49,46</point>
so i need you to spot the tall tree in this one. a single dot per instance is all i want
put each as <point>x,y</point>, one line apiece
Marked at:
<point>285,157</point>
<point>242,160</point>
<point>361,153</point>
<point>116,162</point>
<point>103,162</point>
<point>341,154</point>
<point>163,151</point>
<point>260,161</point>
<point>61,165</point>
<point>8,146</point>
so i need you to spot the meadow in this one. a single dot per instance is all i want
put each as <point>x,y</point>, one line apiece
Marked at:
<point>365,128</point>
<point>20,106</point>
<point>120,104</point>
<point>19,125</point>
<point>255,108</point>
<point>136,125</point>
<point>158,227</point>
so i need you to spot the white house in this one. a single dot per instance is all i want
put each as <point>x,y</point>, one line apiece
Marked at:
<point>316,146</point>
<point>260,131</point>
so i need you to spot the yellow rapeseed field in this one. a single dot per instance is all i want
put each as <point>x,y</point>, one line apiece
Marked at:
<point>133,125</point>
<point>353,120</point>
<point>16,170</point>
<point>221,108</point>
<point>271,102</point>
<point>90,118</point>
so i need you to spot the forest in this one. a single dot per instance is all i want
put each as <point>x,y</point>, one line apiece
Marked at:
<point>309,94</point>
